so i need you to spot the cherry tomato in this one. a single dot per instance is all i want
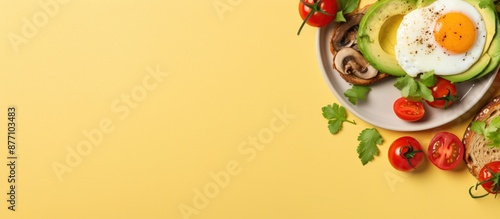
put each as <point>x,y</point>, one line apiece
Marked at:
<point>444,93</point>
<point>409,110</point>
<point>489,179</point>
<point>317,13</point>
<point>445,151</point>
<point>405,153</point>
<point>489,176</point>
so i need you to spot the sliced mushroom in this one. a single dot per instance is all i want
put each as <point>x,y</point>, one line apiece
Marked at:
<point>350,61</point>
<point>344,35</point>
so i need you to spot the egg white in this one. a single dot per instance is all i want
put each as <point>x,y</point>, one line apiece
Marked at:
<point>416,49</point>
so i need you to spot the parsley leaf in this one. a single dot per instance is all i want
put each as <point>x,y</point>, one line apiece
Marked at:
<point>428,79</point>
<point>346,6</point>
<point>336,115</point>
<point>491,132</point>
<point>357,92</point>
<point>349,6</point>
<point>413,89</point>
<point>486,3</point>
<point>407,85</point>
<point>494,138</point>
<point>425,92</point>
<point>478,127</point>
<point>367,148</point>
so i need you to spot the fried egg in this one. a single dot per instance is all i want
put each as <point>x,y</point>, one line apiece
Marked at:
<point>447,37</point>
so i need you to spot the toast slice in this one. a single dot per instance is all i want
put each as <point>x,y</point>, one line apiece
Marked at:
<point>477,151</point>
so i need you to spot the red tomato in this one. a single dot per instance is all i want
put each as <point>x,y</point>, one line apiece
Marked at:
<point>444,93</point>
<point>489,179</point>
<point>445,151</point>
<point>317,13</point>
<point>408,110</point>
<point>405,153</point>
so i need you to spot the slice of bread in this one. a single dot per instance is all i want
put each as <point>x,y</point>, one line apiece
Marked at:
<point>351,25</point>
<point>477,151</point>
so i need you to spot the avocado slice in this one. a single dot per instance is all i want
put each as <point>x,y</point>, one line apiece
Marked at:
<point>494,53</point>
<point>478,67</point>
<point>488,12</point>
<point>375,43</point>
<point>374,39</point>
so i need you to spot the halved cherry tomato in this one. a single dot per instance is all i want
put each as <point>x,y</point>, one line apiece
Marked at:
<point>409,110</point>
<point>405,153</point>
<point>444,93</point>
<point>317,13</point>
<point>445,151</point>
<point>489,179</point>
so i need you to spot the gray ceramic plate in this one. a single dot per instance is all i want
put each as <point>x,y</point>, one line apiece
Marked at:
<point>377,108</point>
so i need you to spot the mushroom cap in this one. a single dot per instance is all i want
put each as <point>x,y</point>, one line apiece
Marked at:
<point>344,34</point>
<point>350,61</point>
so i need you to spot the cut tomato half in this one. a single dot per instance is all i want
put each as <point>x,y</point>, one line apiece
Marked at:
<point>445,151</point>
<point>408,110</point>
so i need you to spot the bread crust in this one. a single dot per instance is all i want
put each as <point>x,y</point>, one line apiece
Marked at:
<point>477,151</point>
<point>350,78</point>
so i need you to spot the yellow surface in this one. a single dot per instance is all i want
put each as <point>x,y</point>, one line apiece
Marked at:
<point>176,109</point>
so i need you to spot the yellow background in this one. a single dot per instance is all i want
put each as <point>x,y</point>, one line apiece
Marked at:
<point>230,79</point>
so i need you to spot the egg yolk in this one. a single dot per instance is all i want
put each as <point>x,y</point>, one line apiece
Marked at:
<point>455,32</point>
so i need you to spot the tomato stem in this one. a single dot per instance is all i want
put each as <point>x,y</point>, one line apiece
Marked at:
<point>476,196</point>
<point>409,154</point>
<point>448,99</point>
<point>495,178</point>
<point>314,8</point>
<point>304,22</point>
